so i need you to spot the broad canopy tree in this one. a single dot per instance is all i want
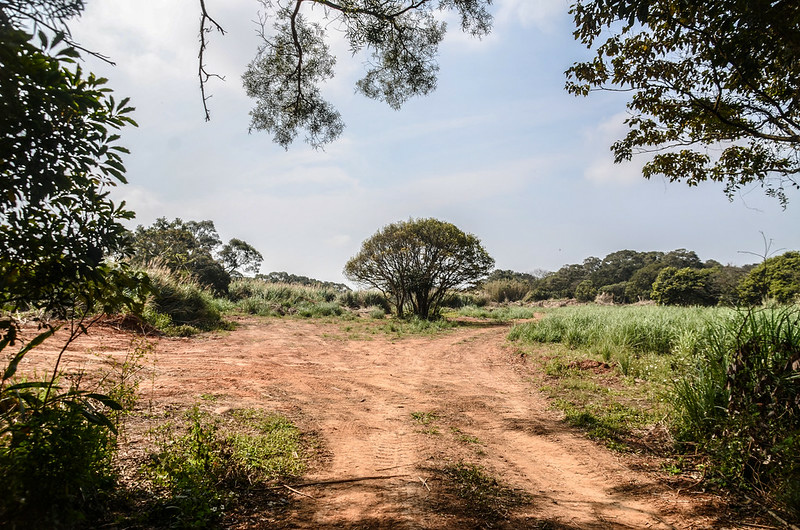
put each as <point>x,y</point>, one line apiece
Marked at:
<point>715,86</point>
<point>416,263</point>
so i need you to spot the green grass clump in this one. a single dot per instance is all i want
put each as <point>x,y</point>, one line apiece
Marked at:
<point>181,306</point>
<point>257,297</point>
<point>740,403</point>
<point>640,329</point>
<point>485,496</point>
<point>201,471</point>
<point>499,313</point>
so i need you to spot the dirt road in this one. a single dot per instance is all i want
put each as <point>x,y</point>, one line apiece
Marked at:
<point>394,413</point>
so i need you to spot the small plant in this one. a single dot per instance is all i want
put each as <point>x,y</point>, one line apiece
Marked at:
<point>485,496</point>
<point>424,418</point>
<point>202,471</point>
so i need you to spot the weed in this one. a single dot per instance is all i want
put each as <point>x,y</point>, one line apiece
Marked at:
<point>424,418</point>
<point>485,496</point>
<point>463,437</point>
<point>202,471</point>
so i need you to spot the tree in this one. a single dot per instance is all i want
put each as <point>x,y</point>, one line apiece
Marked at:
<point>400,37</point>
<point>684,286</point>
<point>776,278</point>
<point>416,263</point>
<point>59,159</point>
<point>714,86</point>
<point>238,257</point>
<point>193,247</point>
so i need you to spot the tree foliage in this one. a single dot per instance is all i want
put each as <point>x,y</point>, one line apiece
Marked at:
<point>776,278</point>
<point>194,248</point>
<point>239,257</point>
<point>715,86</point>
<point>59,159</point>
<point>417,262</point>
<point>399,37</point>
<point>684,286</point>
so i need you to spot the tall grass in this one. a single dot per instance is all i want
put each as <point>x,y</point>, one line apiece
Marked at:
<point>257,297</point>
<point>741,403</point>
<point>179,305</point>
<point>637,329</point>
<point>732,379</point>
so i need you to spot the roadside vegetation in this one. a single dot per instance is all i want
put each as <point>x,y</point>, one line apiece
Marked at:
<point>715,389</point>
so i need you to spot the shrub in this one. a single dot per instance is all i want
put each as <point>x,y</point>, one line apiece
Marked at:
<point>777,278</point>
<point>585,291</point>
<point>684,286</point>
<point>56,469</point>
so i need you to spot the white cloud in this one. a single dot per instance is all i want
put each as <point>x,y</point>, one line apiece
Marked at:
<point>601,168</point>
<point>543,15</point>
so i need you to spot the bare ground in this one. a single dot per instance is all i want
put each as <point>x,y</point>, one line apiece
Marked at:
<point>475,401</point>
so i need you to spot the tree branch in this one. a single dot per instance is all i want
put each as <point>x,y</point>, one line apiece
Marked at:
<point>202,73</point>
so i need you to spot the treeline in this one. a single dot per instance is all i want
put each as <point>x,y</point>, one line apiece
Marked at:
<point>678,277</point>
<point>294,279</point>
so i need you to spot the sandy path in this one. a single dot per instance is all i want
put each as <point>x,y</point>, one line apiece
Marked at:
<point>359,396</point>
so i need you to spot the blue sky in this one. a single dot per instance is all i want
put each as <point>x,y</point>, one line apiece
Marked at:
<point>500,150</point>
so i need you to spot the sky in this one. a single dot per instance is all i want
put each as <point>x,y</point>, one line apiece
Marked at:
<point>499,149</point>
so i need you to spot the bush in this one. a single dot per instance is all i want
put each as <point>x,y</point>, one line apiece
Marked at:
<point>777,278</point>
<point>684,286</point>
<point>57,469</point>
<point>585,291</point>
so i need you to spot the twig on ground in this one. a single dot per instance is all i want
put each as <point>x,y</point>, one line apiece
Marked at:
<point>341,481</point>
<point>424,483</point>
<point>298,492</point>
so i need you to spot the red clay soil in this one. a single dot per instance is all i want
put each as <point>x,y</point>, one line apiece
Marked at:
<point>358,397</point>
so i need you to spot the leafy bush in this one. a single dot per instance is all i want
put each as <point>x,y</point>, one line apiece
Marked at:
<point>56,446</point>
<point>56,468</point>
<point>777,278</point>
<point>585,291</point>
<point>684,286</point>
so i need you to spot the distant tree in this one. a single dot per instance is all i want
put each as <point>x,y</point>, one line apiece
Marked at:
<point>285,277</point>
<point>238,257</point>
<point>417,262</point>
<point>586,291</point>
<point>684,286</point>
<point>713,86</point>
<point>190,247</point>
<point>640,285</point>
<point>725,281</point>
<point>776,278</point>
<point>616,290</point>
